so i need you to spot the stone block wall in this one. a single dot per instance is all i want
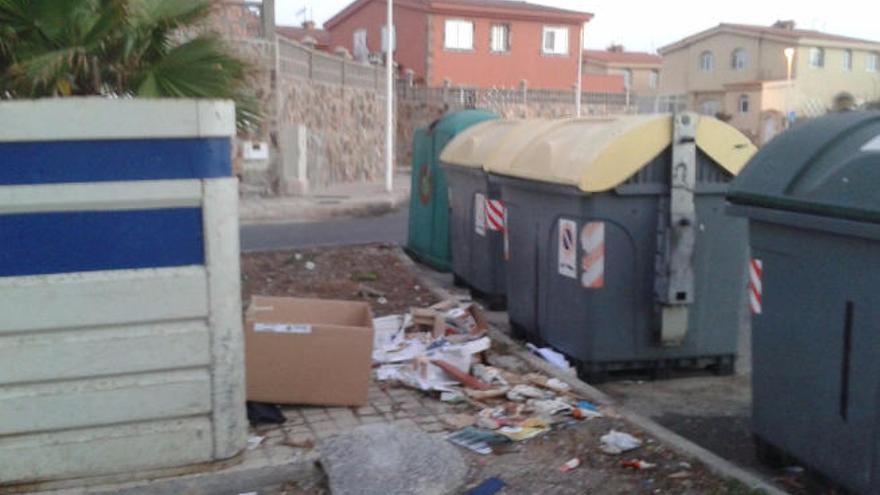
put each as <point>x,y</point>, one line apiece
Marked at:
<point>338,103</point>
<point>346,139</point>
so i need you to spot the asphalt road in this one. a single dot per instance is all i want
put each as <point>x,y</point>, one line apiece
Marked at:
<point>391,228</point>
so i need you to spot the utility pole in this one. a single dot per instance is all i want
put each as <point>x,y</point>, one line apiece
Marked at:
<point>789,58</point>
<point>580,74</point>
<point>389,97</point>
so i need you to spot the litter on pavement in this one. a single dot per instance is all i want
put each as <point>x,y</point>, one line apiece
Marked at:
<point>617,442</point>
<point>488,487</point>
<point>553,357</point>
<point>440,351</point>
<point>570,465</point>
<point>637,464</point>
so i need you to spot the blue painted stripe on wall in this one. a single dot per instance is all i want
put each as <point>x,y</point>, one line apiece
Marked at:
<point>45,243</point>
<point>114,160</point>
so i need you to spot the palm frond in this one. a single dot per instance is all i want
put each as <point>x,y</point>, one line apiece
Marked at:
<point>61,47</point>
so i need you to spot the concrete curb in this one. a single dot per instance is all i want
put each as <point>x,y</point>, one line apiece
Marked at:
<point>256,470</point>
<point>321,213</point>
<point>713,462</point>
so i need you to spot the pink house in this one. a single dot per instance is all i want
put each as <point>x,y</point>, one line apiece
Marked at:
<point>472,43</point>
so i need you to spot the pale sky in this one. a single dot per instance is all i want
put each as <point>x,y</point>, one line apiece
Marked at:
<point>645,25</point>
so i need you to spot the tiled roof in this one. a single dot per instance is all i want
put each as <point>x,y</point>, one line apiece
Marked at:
<point>780,32</point>
<point>297,34</point>
<point>513,6</point>
<point>623,57</point>
<point>793,33</point>
<point>506,4</point>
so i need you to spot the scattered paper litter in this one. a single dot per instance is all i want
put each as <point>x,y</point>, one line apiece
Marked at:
<point>254,442</point>
<point>520,393</point>
<point>558,385</point>
<point>570,465</point>
<point>488,374</point>
<point>616,442</point>
<point>452,397</point>
<point>388,333</point>
<point>637,464</point>
<point>549,407</point>
<point>551,356</point>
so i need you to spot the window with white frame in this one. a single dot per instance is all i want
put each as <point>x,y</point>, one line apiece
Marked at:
<point>873,62</point>
<point>707,61</point>
<point>385,38</point>
<point>627,77</point>
<point>817,57</point>
<point>555,41</point>
<point>359,44</point>
<point>654,79</point>
<point>710,107</point>
<point>500,38</point>
<point>459,35</point>
<point>738,59</point>
<point>744,104</point>
<point>847,60</point>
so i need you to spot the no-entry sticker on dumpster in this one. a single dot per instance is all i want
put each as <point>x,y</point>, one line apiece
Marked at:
<point>567,248</point>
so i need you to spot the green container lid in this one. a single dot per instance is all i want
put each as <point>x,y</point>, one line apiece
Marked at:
<point>829,166</point>
<point>428,237</point>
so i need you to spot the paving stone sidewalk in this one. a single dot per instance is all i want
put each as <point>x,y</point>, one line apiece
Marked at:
<point>391,405</point>
<point>341,200</point>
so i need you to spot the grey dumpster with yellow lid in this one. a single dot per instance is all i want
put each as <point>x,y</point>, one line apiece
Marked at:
<point>477,215</point>
<point>620,253</point>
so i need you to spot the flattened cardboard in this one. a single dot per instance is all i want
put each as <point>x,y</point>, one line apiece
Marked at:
<point>308,351</point>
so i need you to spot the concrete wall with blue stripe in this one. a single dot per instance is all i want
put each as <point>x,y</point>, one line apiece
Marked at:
<point>120,341</point>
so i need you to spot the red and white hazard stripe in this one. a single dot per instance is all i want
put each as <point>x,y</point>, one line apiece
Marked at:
<point>495,215</point>
<point>756,285</point>
<point>593,261</point>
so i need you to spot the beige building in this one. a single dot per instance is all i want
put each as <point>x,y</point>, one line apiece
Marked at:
<point>640,71</point>
<point>741,72</point>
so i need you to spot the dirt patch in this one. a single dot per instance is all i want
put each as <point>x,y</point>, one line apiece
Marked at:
<point>533,466</point>
<point>372,273</point>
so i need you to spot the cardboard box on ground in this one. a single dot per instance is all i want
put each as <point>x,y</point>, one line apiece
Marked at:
<point>318,352</point>
<point>308,351</point>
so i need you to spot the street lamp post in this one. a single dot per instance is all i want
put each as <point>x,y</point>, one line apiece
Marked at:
<point>389,98</point>
<point>580,75</point>
<point>789,57</point>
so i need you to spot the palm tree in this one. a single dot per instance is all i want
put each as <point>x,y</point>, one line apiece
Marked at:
<point>140,48</point>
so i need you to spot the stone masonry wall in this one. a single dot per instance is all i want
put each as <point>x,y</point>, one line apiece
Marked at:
<point>340,102</point>
<point>345,125</point>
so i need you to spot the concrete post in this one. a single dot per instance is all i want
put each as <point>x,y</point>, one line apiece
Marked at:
<point>269,19</point>
<point>294,161</point>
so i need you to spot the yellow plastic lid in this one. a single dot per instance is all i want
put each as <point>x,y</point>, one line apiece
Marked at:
<point>597,155</point>
<point>481,143</point>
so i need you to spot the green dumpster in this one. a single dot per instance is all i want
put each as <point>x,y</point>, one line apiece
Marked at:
<point>428,239</point>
